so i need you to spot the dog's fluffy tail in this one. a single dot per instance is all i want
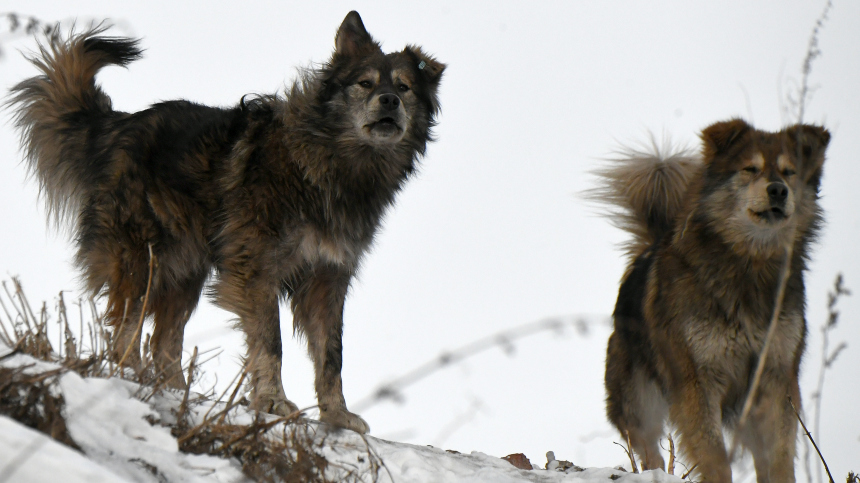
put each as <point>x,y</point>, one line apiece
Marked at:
<point>645,188</point>
<point>56,111</point>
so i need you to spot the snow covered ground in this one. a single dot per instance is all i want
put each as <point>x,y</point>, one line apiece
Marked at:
<point>490,235</point>
<point>126,439</point>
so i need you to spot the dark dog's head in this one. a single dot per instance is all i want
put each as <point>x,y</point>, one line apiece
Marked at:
<point>761,188</point>
<point>381,100</point>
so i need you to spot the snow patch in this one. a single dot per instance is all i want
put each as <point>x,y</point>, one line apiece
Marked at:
<point>120,443</point>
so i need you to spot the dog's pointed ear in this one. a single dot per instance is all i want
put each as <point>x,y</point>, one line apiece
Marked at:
<point>808,143</point>
<point>719,137</point>
<point>351,36</point>
<point>430,68</point>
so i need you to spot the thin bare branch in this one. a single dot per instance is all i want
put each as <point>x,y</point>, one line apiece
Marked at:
<point>504,340</point>
<point>630,453</point>
<point>142,310</point>
<point>670,468</point>
<point>183,407</point>
<point>808,435</point>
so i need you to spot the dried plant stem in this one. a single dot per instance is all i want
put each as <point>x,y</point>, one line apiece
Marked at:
<point>233,395</point>
<point>828,357</point>
<point>6,336</point>
<point>685,475</point>
<point>239,375</point>
<point>504,339</point>
<point>630,453</point>
<point>183,407</point>
<point>670,468</point>
<point>142,311</point>
<point>260,428</point>
<point>812,52</point>
<point>221,415</point>
<point>8,315</point>
<point>68,337</point>
<point>19,291</point>
<point>124,316</point>
<point>81,337</point>
<point>93,343</point>
<point>22,313</point>
<point>768,340</point>
<point>808,435</point>
<point>784,273</point>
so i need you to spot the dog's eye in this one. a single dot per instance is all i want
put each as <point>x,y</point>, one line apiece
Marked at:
<point>403,87</point>
<point>788,172</point>
<point>365,84</point>
<point>751,169</point>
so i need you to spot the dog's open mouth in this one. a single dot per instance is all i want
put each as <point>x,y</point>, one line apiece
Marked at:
<point>772,215</point>
<point>385,126</point>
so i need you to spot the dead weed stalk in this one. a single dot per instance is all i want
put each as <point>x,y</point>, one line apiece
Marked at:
<point>287,449</point>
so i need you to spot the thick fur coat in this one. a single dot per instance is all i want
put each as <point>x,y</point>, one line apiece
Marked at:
<point>711,232</point>
<point>277,197</point>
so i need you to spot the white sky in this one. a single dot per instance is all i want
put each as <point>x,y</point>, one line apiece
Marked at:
<point>492,233</point>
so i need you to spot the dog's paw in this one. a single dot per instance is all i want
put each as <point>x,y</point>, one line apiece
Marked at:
<point>342,418</point>
<point>284,407</point>
<point>279,406</point>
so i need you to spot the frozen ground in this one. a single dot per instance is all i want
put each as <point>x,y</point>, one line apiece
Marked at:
<point>122,440</point>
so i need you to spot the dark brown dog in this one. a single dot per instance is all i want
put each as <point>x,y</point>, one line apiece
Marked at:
<point>280,196</point>
<point>710,238</point>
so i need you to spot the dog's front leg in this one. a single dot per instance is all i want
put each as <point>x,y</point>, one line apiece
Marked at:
<point>771,431</point>
<point>318,311</point>
<point>255,301</point>
<point>697,414</point>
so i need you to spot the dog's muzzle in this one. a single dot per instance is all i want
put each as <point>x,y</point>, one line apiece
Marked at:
<point>777,194</point>
<point>388,117</point>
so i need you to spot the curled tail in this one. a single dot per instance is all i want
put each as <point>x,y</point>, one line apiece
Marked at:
<point>646,187</point>
<point>55,112</point>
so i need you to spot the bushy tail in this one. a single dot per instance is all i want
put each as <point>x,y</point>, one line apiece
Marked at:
<point>54,111</point>
<point>646,188</point>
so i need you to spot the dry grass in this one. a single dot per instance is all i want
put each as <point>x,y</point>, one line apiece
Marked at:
<point>269,449</point>
<point>291,454</point>
<point>28,399</point>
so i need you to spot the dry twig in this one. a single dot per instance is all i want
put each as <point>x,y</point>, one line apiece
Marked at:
<point>806,173</point>
<point>670,468</point>
<point>685,475</point>
<point>136,335</point>
<point>808,435</point>
<point>183,407</point>
<point>394,389</point>
<point>629,453</point>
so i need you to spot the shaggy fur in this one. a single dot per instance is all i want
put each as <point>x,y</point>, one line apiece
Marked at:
<point>278,197</point>
<point>710,237</point>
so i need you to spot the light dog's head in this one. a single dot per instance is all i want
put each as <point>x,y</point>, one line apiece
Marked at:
<point>381,100</point>
<point>760,188</point>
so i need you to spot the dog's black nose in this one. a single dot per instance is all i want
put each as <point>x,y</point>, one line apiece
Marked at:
<point>389,102</point>
<point>777,192</point>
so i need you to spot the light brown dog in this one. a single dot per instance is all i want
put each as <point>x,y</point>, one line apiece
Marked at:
<point>710,234</point>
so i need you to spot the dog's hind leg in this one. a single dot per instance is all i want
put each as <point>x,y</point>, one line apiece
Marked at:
<point>649,410</point>
<point>126,288</point>
<point>172,306</point>
<point>123,315</point>
<point>635,404</point>
<point>317,302</point>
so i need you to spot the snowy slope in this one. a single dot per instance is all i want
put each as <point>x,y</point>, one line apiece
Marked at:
<point>123,439</point>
